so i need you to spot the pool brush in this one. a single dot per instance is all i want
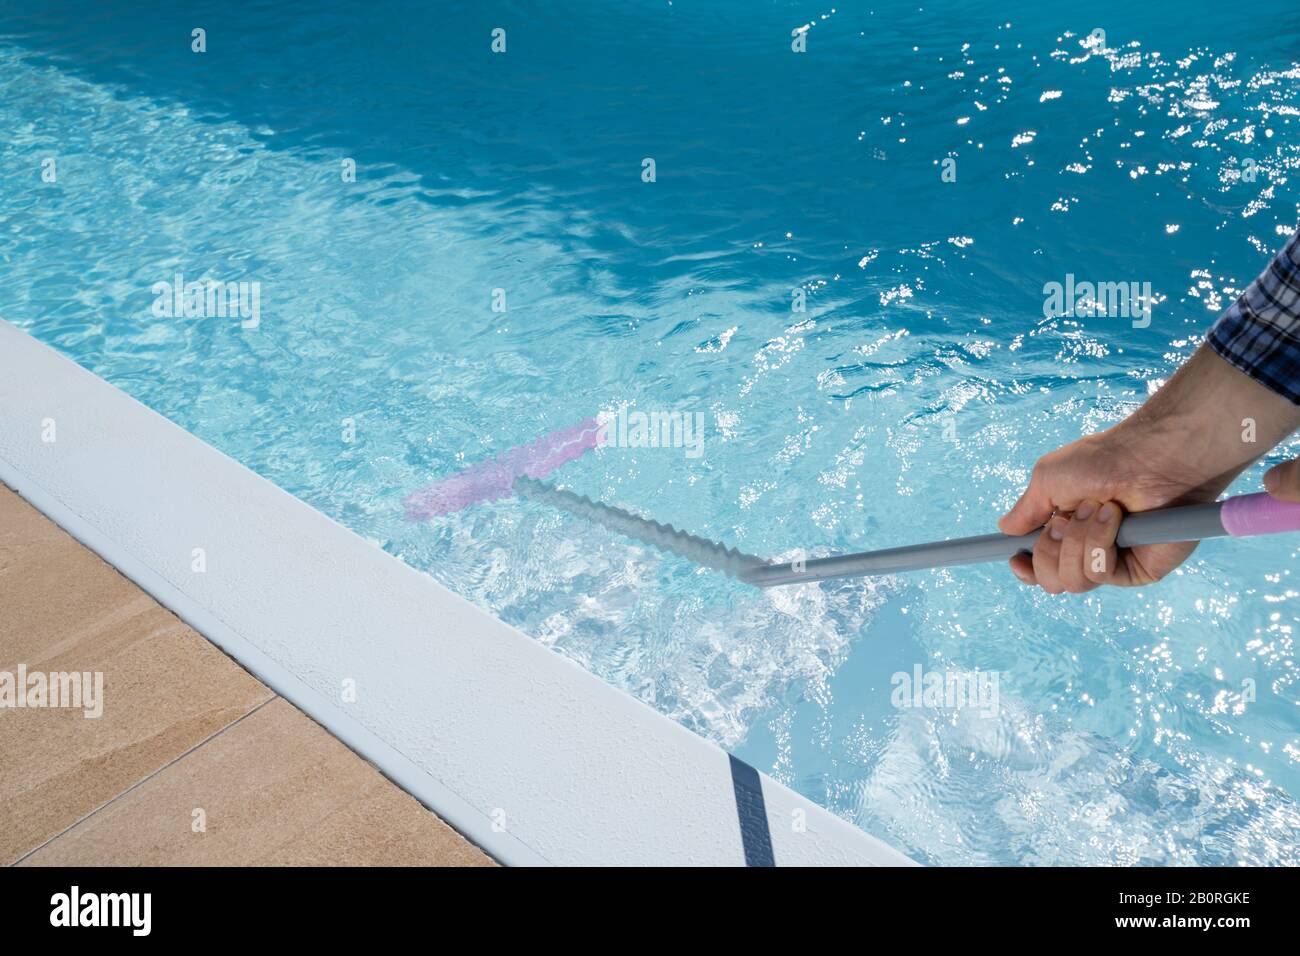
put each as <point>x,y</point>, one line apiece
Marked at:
<point>520,471</point>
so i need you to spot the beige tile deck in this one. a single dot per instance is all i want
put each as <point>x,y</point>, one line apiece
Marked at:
<point>184,728</point>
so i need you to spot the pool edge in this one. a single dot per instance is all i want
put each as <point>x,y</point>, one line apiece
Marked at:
<point>669,796</point>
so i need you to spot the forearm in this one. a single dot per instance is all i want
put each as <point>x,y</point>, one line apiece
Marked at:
<point>1212,419</point>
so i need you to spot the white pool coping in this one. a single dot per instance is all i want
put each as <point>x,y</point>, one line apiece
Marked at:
<point>521,750</point>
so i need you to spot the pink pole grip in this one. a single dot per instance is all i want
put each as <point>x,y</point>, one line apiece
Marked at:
<point>1247,515</point>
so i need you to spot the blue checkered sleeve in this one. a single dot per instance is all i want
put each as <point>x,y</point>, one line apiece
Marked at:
<point>1260,334</point>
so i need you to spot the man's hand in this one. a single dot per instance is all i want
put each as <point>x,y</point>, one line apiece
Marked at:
<point>1080,493</point>
<point>1283,481</point>
<point>1184,446</point>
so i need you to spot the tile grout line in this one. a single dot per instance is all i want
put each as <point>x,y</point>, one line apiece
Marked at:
<point>237,663</point>
<point>203,635</point>
<point>145,779</point>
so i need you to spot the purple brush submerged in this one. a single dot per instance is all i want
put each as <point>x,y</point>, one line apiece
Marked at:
<point>495,478</point>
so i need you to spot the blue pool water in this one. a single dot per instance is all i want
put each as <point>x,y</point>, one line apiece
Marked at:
<point>907,402</point>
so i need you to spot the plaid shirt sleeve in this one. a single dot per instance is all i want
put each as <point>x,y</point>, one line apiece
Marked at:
<point>1260,333</point>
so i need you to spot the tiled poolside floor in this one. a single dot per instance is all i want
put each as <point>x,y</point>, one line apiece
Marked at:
<point>193,761</point>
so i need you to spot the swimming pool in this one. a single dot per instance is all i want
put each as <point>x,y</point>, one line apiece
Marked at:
<point>906,402</point>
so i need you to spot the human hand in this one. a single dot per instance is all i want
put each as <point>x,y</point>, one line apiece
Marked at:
<point>1079,494</point>
<point>1184,446</point>
<point>1283,480</point>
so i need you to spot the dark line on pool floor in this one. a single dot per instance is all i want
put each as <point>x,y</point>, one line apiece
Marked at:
<point>752,811</point>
